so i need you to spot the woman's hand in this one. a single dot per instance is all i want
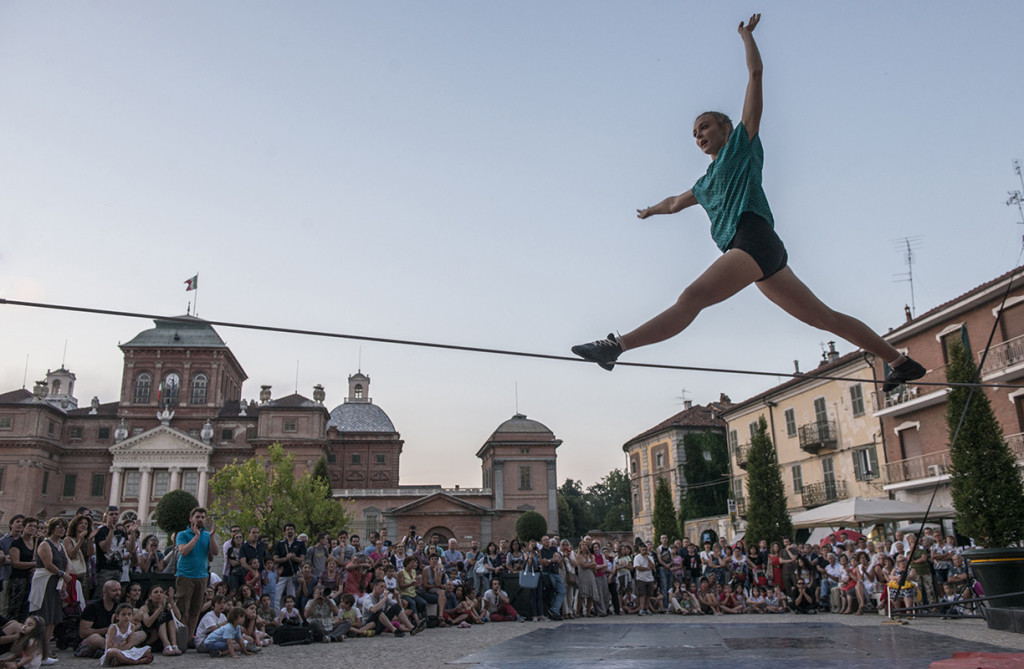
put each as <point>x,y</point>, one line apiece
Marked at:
<point>751,24</point>
<point>643,213</point>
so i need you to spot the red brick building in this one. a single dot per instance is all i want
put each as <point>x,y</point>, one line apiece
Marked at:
<point>180,417</point>
<point>913,416</point>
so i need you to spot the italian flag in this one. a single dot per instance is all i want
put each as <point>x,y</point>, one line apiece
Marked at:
<point>192,284</point>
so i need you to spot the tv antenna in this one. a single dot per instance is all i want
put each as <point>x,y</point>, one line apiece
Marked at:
<point>906,247</point>
<point>1017,196</point>
<point>682,396</point>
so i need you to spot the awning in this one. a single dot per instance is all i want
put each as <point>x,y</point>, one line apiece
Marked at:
<point>866,510</point>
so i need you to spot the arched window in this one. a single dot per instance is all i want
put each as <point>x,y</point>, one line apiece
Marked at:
<point>358,391</point>
<point>199,382</point>
<point>56,387</point>
<point>143,383</point>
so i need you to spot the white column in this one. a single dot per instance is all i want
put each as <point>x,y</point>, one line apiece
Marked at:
<point>115,486</point>
<point>144,494</point>
<point>204,473</point>
<point>175,479</point>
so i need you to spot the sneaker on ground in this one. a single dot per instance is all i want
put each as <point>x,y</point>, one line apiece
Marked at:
<point>215,653</point>
<point>603,351</point>
<point>49,660</point>
<point>908,370</point>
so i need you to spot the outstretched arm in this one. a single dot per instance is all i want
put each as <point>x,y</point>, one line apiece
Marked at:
<point>753,102</point>
<point>669,205</point>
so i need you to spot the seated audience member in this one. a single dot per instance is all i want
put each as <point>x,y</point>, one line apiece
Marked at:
<point>254,630</point>
<point>348,612</point>
<point>630,604</point>
<point>119,649</point>
<point>96,620</point>
<point>213,619</point>
<point>497,606</point>
<point>757,601</point>
<point>227,636</point>
<point>323,616</point>
<point>29,646</point>
<point>289,612</point>
<point>408,586</point>
<point>158,621</point>
<point>381,609</point>
<point>775,601</point>
<point>267,614</point>
<point>803,598</point>
<point>950,600</point>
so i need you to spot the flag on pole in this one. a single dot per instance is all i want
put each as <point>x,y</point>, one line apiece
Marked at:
<point>192,284</point>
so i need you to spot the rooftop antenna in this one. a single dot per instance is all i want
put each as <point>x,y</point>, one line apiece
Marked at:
<point>359,367</point>
<point>906,247</point>
<point>1017,196</point>
<point>24,379</point>
<point>517,397</point>
<point>64,356</point>
<point>683,396</point>
<point>296,377</point>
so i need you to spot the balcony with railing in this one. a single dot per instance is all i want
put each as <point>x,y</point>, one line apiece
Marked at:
<point>1005,360</point>
<point>741,507</point>
<point>1016,444</point>
<point>818,436</point>
<point>826,492</point>
<point>910,397</point>
<point>741,455</point>
<point>920,468</point>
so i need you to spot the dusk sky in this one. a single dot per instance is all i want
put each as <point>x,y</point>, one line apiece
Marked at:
<point>468,173</point>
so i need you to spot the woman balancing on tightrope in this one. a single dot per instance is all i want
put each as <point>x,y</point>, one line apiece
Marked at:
<point>742,227</point>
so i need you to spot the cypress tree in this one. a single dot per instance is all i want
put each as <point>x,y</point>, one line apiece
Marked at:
<point>985,482</point>
<point>767,516</point>
<point>664,517</point>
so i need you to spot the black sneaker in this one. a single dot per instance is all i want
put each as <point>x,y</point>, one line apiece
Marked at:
<point>398,632</point>
<point>603,351</point>
<point>908,370</point>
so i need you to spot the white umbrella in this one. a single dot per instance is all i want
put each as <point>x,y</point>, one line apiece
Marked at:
<point>865,510</point>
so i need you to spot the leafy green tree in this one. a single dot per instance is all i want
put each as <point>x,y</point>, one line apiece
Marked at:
<point>985,481</point>
<point>566,518</point>
<point>664,517</point>
<point>531,526</point>
<point>572,492</point>
<point>267,494</point>
<point>706,470</point>
<point>608,502</point>
<point>173,509</point>
<point>767,516</point>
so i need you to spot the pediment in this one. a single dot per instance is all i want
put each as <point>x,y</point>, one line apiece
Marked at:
<point>439,502</point>
<point>161,444</point>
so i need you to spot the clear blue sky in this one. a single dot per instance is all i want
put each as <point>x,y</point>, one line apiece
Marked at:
<point>468,172</point>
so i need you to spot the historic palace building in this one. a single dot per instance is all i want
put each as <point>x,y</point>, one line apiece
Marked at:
<point>180,417</point>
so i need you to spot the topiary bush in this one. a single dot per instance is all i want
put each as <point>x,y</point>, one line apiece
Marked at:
<point>172,511</point>
<point>531,526</point>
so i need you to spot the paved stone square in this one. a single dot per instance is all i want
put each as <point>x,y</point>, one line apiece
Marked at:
<point>793,641</point>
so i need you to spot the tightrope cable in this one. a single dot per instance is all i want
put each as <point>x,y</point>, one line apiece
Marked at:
<point>459,347</point>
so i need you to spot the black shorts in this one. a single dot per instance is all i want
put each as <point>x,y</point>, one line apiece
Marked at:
<point>756,237</point>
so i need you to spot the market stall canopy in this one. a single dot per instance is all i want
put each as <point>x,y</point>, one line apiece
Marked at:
<point>865,510</point>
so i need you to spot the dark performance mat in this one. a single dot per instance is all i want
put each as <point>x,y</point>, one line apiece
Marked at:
<point>659,646</point>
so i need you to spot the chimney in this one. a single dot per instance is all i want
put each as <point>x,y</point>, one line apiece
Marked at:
<point>796,366</point>
<point>833,354</point>
<point>906,312</point>
<point>724,399</point>
<point>687,404</point>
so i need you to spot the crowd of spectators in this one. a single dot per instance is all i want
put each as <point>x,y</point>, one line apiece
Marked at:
<point>105,592</point>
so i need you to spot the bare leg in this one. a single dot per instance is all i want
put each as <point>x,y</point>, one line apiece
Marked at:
<point>790,293</point>
<point>728,275</point>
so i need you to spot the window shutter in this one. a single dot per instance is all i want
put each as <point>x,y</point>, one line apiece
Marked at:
<point>873,458</point>
<point>858,471</point>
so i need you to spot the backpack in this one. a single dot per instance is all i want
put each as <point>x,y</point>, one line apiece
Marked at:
<point>293,635</point>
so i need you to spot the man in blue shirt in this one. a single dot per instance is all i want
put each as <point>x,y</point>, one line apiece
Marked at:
<point>195,551</point>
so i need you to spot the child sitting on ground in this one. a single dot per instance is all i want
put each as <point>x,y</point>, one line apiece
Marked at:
<point>267,614</point>
<point>630,604</point>
<point>775,602</point>
<point>31,646</point>
<point>212,620</point>
<point>226,637</point>
<point>289,612</point>
<point>348,612</point>
<point>951,597</point>
<point>757,602</point>
<point>119,650</point>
